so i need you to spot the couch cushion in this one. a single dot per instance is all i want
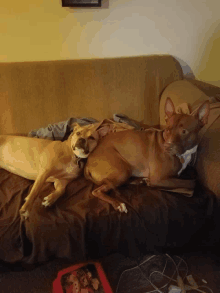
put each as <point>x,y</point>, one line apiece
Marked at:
<point>79,225</point>
<point>208,157</point>
<point>53,91</point>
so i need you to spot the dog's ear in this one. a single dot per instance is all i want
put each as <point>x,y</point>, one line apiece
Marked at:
<point>74,125</point>
<point>169,108</point>
<point>202,114</point>
<point>103,130</point>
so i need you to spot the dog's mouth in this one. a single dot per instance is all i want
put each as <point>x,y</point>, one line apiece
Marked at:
<point>81,152</point>
<point>173,149</point>
<point>81,148</point>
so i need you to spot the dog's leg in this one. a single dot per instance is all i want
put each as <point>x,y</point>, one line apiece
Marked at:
<point>60,186</point>
<point>109,173</point>
<point>172,183</point>
<point>100,192</point>
<point>33,193</point>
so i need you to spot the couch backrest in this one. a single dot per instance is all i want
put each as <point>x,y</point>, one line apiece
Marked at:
<point>34,94</point>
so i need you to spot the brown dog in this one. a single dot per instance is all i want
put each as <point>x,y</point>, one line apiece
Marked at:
<point>47,161</point>
<point>157,155</point>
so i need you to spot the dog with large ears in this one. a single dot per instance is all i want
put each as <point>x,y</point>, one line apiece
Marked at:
<point>184,136</point>
<point>156,155</point>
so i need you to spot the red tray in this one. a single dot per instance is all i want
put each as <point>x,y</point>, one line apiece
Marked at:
<point>82,278</point>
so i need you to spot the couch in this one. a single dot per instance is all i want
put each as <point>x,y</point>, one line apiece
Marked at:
<point>79,227</point>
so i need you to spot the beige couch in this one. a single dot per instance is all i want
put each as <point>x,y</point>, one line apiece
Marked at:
<point>34,94</point>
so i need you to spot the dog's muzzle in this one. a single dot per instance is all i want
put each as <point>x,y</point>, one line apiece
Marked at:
<point>82,144</point>
<point>81,148</point>
<point>172,149</point>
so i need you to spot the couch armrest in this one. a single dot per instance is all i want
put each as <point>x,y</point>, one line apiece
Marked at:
<point>209,89</point>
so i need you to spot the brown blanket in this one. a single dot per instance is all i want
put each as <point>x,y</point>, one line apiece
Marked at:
<point>80,226</point>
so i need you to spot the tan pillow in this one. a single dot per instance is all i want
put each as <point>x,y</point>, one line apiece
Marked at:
<point>181,92</point>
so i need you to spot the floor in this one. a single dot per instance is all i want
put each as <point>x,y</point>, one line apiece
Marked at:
<point>151,273</point>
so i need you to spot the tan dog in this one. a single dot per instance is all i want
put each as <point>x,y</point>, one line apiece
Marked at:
<point>157,155</point>
<point>47,161</point>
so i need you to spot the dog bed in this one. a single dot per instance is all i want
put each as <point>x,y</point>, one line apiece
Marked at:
<point>79,226</point>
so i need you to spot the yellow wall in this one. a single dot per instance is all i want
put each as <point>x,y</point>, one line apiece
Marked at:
<point>30,30</point>
<point>42,30</point>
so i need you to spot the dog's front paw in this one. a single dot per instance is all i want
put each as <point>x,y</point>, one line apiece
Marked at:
<point>122,208</point>
<point>48,201</point>
<point>24,213</point>
<point>141,180</point>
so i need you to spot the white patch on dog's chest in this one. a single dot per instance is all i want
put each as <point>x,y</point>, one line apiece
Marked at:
<point>70,168</point>
<point>186,157</point>
<point>68,171</point>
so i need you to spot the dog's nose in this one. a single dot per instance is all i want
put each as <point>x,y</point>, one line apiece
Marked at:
<point>81,140</point>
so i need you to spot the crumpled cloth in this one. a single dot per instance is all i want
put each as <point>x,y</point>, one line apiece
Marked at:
<point>62,130</point>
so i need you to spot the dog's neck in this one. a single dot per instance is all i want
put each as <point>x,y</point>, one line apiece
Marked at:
<point>79,161</point>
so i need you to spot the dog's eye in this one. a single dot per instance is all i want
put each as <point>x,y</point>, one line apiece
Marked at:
<point>91,137</point>
<point>78,133</point>
<point>184,131</point>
